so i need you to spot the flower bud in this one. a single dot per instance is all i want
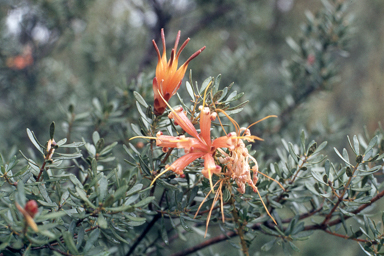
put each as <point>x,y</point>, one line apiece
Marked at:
<point>31,208</point>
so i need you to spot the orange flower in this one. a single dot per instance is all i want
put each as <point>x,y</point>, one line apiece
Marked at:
<point>168,77</point>
<point>197,146</point>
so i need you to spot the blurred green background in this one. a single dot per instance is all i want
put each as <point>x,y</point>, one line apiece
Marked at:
<point>66,58</point>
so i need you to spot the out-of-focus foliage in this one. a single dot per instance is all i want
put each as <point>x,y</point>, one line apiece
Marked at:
<point>89,66</point>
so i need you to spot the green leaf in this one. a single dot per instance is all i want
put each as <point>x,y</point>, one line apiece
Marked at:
<point>342,158</point>
<point>320,147</point>
<point>371,144</point>
<point>84,197</point>
<point>34,141</point>
<point>145,201</point>
<point>21,193</point>
<point>73,145</point>
<point>346,213</point>
<point>241,105</point>
<point>103,187</point>
<point>68,239</point>
<point>205,84</point>
<point>102,222</point>
<point>52,130</point>
<point>140,99</point>
<point>95,137</point>
<point>92,239</point>
<point>293,246</point>
<point>302,141</point>
<point>123,208</point>
<point>134,189</point>
<point>293,44</point>
<point>80,237</point>
<point>184,224</point>
<point>163,231</point>
<point>120,192</point>
<point>5,242</point>
<point>136,129</point>
<point>268,246</point>
<point>190,90</point>
<point>292,153</point>
<point>61,142</point>
<point>75,181</point>
<point>52,215</point>
<point>108,149</point>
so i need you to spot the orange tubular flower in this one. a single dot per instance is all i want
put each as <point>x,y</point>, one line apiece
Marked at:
<point>197,146</point>
<point>168,77</point>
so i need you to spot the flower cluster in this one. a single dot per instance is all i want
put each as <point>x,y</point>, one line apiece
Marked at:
<point>198,146</point>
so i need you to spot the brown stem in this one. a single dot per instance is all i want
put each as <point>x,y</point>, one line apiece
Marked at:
<point>340,199</point>
<point>49,154</point>
<point>206,243</point>
<point>240,224</point>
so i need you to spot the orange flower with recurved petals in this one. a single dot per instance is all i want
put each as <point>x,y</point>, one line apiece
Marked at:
<point>198,146</point>
<point>168,76</point>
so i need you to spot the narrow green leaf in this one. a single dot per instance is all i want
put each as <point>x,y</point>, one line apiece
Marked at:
<point>52,215</point>
<point>302,141</point>
<point>163,231</point>
<point>84,197</point>
<point>52,130</point>
<point>136,129</point>
<point>108,148</point>
<point>205,84</point>
<point>184,224</point>
<point>241,105</point>
<point>102,222</point>
<point>320,147</point>
<point>80,237</point>
<point>92,239</point>
<point>292,152</point>
<point>140,99</point>
<point>5,242</point>
<point>134,189</point>
<point>190,90</point>
<point>371,144</point>
<point>103,187</point>
<point>293,246</point>
<point>268,246</point>
<point>342,158</point>
<point>32,138</point>
<point>123,208</point>
<point>21,193</point>
<point>95,137</point>
<point>145,201</point>
<point>68,239</point>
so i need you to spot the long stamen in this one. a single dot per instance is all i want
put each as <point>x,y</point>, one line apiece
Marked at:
<point>265,175</point>
<point>265,207</point>
<point>210,211</point>
<point>237,127</point>
<point>201,204</point>
<point>168,169</point>
<point>210,179</point>
<point>143,137</point>
<point>262,119</point>
<point>221,124</point>
<point>221,201</point>
<point>205,93</point>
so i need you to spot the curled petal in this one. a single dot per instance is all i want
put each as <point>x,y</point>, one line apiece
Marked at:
<point>182,120</point>
<point>225,141</point>
<point>205,125</point>
<point>179,165</point>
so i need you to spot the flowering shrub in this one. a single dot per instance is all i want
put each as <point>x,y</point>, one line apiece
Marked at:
<point>192,171</point>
